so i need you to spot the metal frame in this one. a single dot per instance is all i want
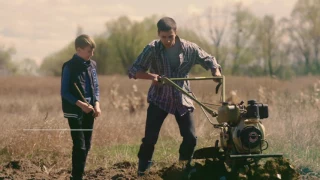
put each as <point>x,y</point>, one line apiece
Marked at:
<point>169,81</point>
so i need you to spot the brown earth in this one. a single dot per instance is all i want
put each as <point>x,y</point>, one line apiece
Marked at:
<point>210,169</point>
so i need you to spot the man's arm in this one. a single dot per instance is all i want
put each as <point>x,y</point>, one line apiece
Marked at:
<point>216,71</point>
<point>141,65</point>
<point>207,61</point>
<point>148,76</point>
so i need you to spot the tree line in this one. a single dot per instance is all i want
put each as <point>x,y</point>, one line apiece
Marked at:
<point>243,43</point>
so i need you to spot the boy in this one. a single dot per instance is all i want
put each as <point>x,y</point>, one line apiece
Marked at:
<point>80,100</point>
<point>172,57</point>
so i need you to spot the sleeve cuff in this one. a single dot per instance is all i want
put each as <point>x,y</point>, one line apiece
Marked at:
<point>214,68</point>
<point>132,72</point>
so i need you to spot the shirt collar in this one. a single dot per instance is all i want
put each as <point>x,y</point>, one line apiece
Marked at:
<point>82,60</point>
<point>162,48</point>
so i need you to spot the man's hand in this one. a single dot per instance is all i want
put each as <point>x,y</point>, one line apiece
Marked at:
<point>84,107</point>
<point>149,76</point>
<point>97,110</point>
<point>216,72</point>
<point>155,80</point>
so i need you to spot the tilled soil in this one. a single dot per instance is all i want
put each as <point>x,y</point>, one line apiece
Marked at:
<point>209,169</point>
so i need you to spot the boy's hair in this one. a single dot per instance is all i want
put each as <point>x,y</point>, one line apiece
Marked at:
<point>166,24</point>
<point>83,41</point>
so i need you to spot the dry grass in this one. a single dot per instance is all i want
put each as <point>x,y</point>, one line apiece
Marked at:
<point>34,102</point>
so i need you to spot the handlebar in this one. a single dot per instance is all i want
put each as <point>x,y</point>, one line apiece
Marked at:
<point>165,80</point>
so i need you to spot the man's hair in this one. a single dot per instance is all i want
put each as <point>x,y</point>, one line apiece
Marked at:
<point>166,24</point>
<point>83,41</point>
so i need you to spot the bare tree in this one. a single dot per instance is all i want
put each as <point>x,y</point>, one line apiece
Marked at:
<point>243,26</point>
<point>268,40</point>
<point>217,22</point>
<point>304,31</point>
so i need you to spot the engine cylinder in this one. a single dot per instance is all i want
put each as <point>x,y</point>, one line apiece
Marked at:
<point>248,137</point>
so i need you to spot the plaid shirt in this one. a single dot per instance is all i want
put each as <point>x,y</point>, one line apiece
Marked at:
<point>165,96</point>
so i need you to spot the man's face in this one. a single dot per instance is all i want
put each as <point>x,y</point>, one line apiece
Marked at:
<point>167,38</point>
<point>85,53</point>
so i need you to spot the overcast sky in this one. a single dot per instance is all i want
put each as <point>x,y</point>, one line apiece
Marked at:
<point>37,28</point>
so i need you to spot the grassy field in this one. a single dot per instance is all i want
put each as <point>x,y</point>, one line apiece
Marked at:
<point>34,103</point>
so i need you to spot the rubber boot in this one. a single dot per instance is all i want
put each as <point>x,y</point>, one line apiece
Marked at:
<point>143,166</point>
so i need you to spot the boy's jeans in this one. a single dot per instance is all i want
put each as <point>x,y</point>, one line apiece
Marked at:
<point>81,143</point>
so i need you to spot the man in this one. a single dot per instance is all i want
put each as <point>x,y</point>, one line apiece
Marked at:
<point>172,57</point>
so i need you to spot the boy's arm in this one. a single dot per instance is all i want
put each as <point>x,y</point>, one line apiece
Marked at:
<point>97,109</point>
<point>65,91</point>
<point>97,88</point>
<point>141,65</point>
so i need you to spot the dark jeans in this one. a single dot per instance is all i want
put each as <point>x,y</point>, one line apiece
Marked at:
<point>81,143</point>
<point>155,118</point>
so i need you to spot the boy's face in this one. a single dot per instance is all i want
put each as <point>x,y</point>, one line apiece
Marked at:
<point>167,38</point>
<point>85,53</point>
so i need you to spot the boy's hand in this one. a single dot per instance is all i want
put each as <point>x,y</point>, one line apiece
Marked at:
<point>87,109</point>
<point>84,107</point>
<point>97,110</point>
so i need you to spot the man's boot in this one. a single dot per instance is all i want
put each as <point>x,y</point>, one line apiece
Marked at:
<point>188,169</point>
<point>143,166</point>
